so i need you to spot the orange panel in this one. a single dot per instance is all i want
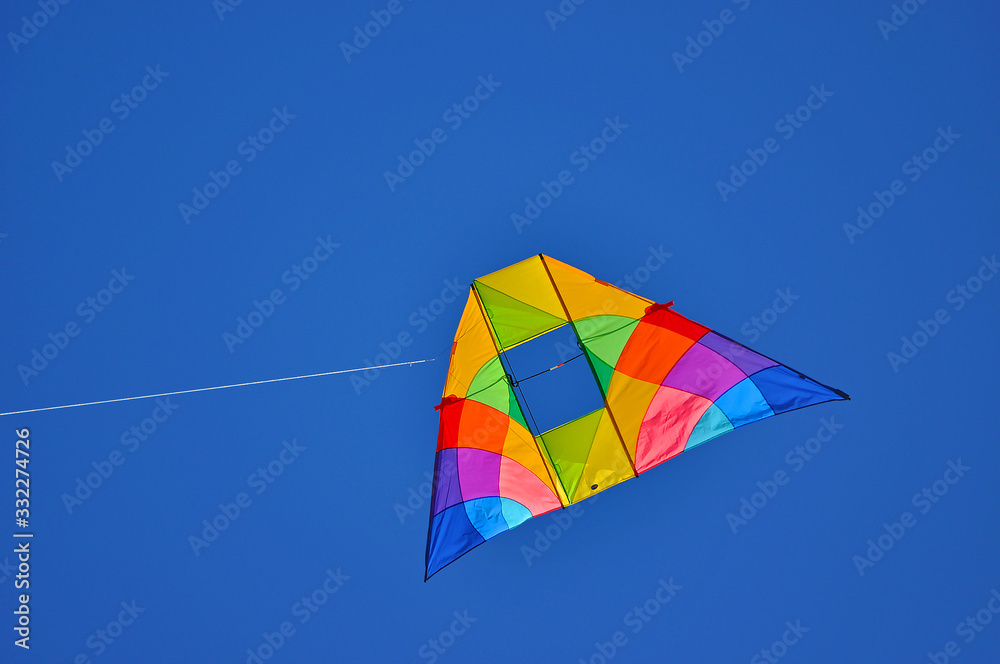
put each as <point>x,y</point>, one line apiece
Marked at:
<point>651,352</point>
<point>482,427</point>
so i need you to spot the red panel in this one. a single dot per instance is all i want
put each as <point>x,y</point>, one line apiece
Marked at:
<point>671,320</point>
<point>451,414</point>
<point>469,423</point>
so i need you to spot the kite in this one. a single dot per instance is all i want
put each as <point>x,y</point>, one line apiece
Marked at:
<point>667,384</point>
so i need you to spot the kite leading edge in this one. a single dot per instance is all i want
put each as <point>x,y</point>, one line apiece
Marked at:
<point>668,384</point>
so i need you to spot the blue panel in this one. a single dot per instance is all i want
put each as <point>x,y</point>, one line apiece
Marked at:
<point>713,423</point>
<point>451,535</point>
<point>514,512</point>
<point>744,403</point>
<point>486,514</point>
<point>786,390</point>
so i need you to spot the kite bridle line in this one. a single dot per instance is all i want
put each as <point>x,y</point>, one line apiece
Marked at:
<point>546,371</point>
<point>218,387</point>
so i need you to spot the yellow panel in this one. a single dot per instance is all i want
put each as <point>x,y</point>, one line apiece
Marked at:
<point>607,464</point>
<point>527,281</point>
<point>520,446</point>
<point>560,491</point>
<point>629,398</point>
<point>586,296</point>
<point>472,349</point>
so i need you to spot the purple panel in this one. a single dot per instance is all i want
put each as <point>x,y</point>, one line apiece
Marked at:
<point>703,372</point>
<point>447,491</point>
<point>479,472</point>
<point>747,360</point>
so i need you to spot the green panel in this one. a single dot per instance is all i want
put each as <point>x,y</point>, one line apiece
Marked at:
<point>513,320</point>
<point>515,408</point>
<point>488,386</point>
<point>569,446</point>
<point>491,388</point>
<point>605,336</point>
<point>603,371</point>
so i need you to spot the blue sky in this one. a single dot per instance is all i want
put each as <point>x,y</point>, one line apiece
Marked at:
<point>174,170</point>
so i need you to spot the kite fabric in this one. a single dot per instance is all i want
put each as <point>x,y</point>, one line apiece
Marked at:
<point>668,384</point>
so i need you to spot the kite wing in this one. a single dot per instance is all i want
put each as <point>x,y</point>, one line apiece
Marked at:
<point>668,384</point>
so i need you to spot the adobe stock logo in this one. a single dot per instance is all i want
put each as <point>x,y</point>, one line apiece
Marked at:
<point>756,325</point>
<point>780,647</point>
<point>249,149</point>
<point>132,438</point>
<point>787,126</point>
<point>418,497</point>
<point>565,9</point>
<point>437,646</point>
<point>228,513</point>
<point>636,619</point>
<point>913,168</point>
<point>87,310</point>
<point>223,6</point>
<point>714,28</point>
<point>796,459</point>
<point>899,16</point>
<point>421,320</point>
<point>968,629</point>
<point>102,639</point>
<point>924,500</point>
<point>29,28</point>
<point>561,521</point>
<point>381,18</point>
<point>122,107</point>
<point>454,115</point>
<point>958,297</point>
<point>582,158</point>
<point>304,609</point>
<point>294,276</point>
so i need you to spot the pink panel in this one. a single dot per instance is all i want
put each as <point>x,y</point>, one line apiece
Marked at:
<point>520,484</point>
<point>669,420</point>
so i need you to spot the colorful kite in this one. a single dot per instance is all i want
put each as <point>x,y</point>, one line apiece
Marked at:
<point>668,384</point>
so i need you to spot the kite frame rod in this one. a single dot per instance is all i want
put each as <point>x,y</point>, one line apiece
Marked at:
<point>501,356</point>
<point>604,397</point>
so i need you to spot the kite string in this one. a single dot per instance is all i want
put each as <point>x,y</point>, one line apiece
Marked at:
<point>217,387</point>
